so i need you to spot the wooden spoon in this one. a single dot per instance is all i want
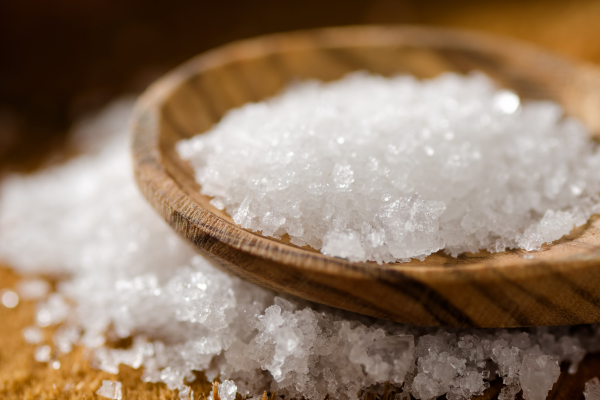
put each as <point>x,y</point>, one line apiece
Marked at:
<point>559,285</point>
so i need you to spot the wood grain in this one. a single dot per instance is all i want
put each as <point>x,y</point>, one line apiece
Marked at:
<point>561,285</point>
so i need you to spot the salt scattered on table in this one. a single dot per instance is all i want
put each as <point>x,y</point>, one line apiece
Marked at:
<point>110,390</point>
<point>33,335</point>
<point>592,389</point>
<point>42,353</point>
<point>33,289</point>
<point>9,298</point>
<point>389,169</point>
<point>186,393</point>
<point>52,311</point>
<point>537,376</point>
<point>227,390</point>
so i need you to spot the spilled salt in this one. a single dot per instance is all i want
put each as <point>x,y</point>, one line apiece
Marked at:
<point>110,390</point>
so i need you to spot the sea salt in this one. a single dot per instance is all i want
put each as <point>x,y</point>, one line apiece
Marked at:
<point>186,393</point>
<point>33,289</point>
<point>122,272</point>
<point>537,376</point>
<point>52,311</point>
<point>110,390</point>
<point>592,389</point>
<point>227,390</point>
<point>9,298</point>
<point>33,335</point>
<point>389,169</point>
<point>42,353</point>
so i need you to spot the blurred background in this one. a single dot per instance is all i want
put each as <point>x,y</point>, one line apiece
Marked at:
<point>62,58</point>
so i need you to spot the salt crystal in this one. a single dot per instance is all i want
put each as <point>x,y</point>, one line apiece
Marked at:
<point>537,376</point>
<point>33,335</point>
<point>448,163</point>
<point>33,289</point>
<point>227,390</point>
<point>43,318</point>
<point>392,357</point>
<point>53,311</point>
<point>110,390</point>
<point>506,101</point>
<point>9,298</point>
<point>186,393</point>
<point>592,389</point>
<point>65,337</point>
<point>509,392</point>
<point>42,353</point>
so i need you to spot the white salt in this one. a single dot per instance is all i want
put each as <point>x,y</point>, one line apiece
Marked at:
<point>509,392</point>
<point>388,169</point>
<point>42,353</point>
<point>33,335</point>
<point>52,311</point>
<point>592,389</point>
<point>9,298</point>
<point>537,376</point>
<point>186,393</point>
<point>110,390</point>
<point>66,337</point>
<point>122,272</point>
<point>33,289</point>
<point>227,390</point>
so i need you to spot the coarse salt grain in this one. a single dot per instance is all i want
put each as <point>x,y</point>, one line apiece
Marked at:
<point>592,389</point>
<point>9,298</point>
<point>123,272</point>
<point>33,335</point>
<point>227,390</point>
<point>110,390</point>
<point>389,169</point>
<point>42,353</point>
<point>33,289</point>
<point>538,375</point>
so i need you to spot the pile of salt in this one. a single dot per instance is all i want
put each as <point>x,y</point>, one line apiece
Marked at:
<point>388,169</point>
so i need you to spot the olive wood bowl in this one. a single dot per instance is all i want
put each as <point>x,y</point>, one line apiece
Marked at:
<point>559,285</point>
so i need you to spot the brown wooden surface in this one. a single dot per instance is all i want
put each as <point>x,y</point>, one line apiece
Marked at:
<point>561,285</point>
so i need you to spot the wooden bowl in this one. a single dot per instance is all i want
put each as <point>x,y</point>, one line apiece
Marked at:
<point>559,285</point>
